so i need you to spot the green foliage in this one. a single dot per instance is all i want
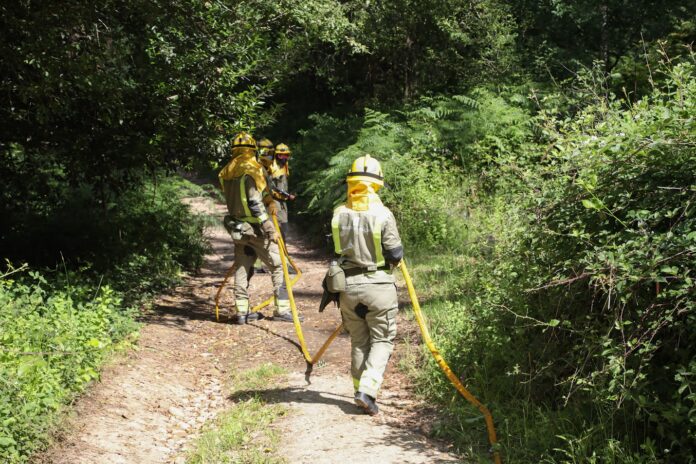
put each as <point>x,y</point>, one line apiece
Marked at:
<point>413,46</point>
<point>561,36</point>
<point>425,149</point>
<point>57,327</point>
<point>616,227</point>
<point>140,240</point>
<point>152,238</point>
<point>53,338</point>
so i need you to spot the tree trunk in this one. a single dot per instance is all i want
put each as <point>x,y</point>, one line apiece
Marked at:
<point>407,70</point>
<point>604,45</point>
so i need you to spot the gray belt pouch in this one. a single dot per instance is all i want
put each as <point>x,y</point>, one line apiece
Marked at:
<point>237,229</point>
<point>335,278</point>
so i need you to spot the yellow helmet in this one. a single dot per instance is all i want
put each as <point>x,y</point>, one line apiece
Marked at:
<point>265,143</point>
<point>265,152</point>
<point>243,140</point>
<point>366,169</point>
<point>282,151</point>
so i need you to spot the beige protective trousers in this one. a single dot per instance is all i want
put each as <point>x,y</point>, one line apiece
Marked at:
<point>369,315</point>
<point>246,251</point>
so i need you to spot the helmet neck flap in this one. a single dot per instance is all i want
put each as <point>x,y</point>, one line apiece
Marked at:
<point>362,195</point>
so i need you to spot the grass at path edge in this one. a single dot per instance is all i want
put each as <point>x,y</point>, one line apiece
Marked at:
<point>242,434</point>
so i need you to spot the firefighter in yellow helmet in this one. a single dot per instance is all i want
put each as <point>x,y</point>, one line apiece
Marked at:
<point>367,240</point>
<point>280,177</point>
<point>247,195</point>
<point>266,153</point>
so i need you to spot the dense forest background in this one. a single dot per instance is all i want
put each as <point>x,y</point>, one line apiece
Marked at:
<point>541,158</point>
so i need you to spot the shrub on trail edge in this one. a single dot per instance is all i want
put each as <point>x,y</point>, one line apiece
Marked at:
<point>576,321</point>
<point>138,240</point>
<point>57,327</point>
<point>52,343</point>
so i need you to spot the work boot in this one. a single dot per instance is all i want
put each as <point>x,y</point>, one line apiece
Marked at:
<point>254,316</point>
<point>242,306</point>
<point>367,403</point>
<point>283,311</point>
<point>286,317</point>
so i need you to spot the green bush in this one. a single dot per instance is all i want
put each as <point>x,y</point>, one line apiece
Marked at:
<point>56,327</point>
<point>139,240</point>
<point>53,340</point>
<point>572,309</point>
<point>152,237</point>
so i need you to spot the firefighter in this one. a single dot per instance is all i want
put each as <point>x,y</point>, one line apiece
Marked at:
<point>248,197</point>
<point>367,241</point>
<point>280,176</point>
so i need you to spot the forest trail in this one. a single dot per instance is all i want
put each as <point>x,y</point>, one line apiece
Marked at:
<point>151,404</point>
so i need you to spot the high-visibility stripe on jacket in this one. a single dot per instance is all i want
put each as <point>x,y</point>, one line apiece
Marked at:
<point>249,216</point>
<point>244,201</point>
<point>360,236</point>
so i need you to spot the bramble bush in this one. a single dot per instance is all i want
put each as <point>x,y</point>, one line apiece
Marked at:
<point>576,320</point>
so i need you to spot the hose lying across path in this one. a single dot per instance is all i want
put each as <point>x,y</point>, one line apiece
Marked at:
<point>285,257</point>
<point>229,274</point>
<point>298,273</point>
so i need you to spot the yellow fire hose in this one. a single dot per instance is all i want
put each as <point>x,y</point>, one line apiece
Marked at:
<point>231,271</point>
<point>445,367</point>
<point>284,255</point>
<point>291,297</point>
<point>298,274</point>
<point>325,346</point>
<point>284,258</point>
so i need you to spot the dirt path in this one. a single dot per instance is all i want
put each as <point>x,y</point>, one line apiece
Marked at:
<point>149,405</point>
<point>327,428</point>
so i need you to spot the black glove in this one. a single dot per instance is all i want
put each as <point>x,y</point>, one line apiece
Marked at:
<point>328,297</point>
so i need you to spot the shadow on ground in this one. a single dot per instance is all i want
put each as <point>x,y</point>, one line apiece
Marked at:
<point>287,395</point>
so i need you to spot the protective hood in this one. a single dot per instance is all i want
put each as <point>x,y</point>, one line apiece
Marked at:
<point>245,164</point>
<point>277,170</point>
<point>362,195</point>
<point>266,162</point>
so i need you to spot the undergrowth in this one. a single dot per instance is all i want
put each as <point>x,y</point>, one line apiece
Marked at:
<point>59,324</point>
